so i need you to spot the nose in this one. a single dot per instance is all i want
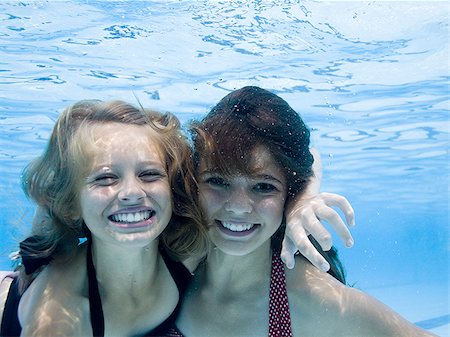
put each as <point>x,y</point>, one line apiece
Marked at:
<point>131,191</point>
<point>239,202</point>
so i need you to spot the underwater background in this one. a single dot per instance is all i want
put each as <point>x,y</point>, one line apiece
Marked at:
<point>370,78</point>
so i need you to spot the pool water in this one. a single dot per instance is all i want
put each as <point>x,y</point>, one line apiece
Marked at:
<point>371,79</point>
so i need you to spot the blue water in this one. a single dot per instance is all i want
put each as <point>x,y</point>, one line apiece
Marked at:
<point>371,79</point>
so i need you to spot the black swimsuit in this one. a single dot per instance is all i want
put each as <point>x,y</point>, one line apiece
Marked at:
<point>10,320</point>
<point>10,323</point>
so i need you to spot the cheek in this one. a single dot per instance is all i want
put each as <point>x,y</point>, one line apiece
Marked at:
<point>273,209</point>
<point>84,199</point>
<point>92,199</point>
<point>209,201</point>
<point>161,191</point>
<point>87,203</point>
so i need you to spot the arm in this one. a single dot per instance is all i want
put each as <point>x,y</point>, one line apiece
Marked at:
<point>304,215</point>
<point>366,316</point>
<point>55,304</point>
<point>326,307</point>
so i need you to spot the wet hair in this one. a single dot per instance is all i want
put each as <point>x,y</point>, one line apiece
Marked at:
<point>246,119</point>
<point>52,180</point>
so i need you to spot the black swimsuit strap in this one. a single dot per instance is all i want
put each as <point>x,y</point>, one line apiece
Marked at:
<point>178,271</point>
<point>95,302</point>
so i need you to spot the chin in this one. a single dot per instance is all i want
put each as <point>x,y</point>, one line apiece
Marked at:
<point>138,239</point>
<point>236,248</point>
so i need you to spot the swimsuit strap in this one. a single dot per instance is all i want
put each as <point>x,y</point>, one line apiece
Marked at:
<point>178,271</point>
<point>10,325</point>
<point>279,316</point>
<point>95,302</point>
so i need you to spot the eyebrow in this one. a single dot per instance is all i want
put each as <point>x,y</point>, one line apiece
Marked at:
<point>209,171</point>
<point>267,177</point>
<point>253,176</point>
<point>108,166</point>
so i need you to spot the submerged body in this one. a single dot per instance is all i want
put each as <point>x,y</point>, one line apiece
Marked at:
<point>231,294</point>
<point>58,300</point>
<point>233,290</point>
<point>108,175</point>
<point>122,179</point>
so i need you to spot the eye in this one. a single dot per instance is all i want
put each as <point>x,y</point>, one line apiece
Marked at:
<point>217,181</point>
<point>152,175</point>
<point>104,180</point>
<point>265,188</point>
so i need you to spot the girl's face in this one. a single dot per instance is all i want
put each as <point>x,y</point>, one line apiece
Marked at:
<point>244,211</point>
<point>126,197</point>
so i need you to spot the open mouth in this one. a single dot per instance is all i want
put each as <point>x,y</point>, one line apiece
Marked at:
<point>131,217</point>
<point>236,229</point>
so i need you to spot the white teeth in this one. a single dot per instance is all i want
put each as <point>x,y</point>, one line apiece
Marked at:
<point>131,217</point>
<point>237,227</point>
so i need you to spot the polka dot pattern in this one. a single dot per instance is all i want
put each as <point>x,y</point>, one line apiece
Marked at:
<point>279,316</point>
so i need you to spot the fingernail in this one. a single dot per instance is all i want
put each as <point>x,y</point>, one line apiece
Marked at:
<point>325,266</point>
<point>349,243</point>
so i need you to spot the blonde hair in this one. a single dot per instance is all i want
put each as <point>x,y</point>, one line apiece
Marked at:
<point>52,180</point>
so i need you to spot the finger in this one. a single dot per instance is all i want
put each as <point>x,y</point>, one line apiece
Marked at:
<point>316,229</point>
<point>335,221</point>
<point>310,252</point>
<point>331,199</point>
<point>295,231</point>
<point>288,251</point>
<point>306,248</point>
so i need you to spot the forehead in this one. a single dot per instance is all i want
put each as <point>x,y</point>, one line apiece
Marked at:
<point>127,140</point>
<point>261,162</point>
<point>263,159</point>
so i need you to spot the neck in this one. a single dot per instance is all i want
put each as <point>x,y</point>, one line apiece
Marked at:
<point>127,269</point>
<point>236,274</point>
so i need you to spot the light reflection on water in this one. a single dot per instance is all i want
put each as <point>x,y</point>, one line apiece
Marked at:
<point>369,78</point>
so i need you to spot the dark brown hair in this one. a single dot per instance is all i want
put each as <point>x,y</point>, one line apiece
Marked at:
<point>250,117</point>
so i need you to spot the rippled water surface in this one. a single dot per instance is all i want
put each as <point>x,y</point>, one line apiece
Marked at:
<point>369,78</point>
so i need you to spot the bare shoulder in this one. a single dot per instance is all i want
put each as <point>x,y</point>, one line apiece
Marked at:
<point>59,293</point>
<point>367,315</point>
<point>322,306</point>
<point>313,295</point>
<point>312,284</point>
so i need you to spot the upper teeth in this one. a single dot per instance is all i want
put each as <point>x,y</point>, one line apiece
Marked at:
<point>131,217</point>
<point>237,227</point>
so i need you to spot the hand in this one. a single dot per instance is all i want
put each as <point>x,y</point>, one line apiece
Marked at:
<point>304,218</point>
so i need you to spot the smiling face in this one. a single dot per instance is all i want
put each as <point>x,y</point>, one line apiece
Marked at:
<point>244,210</point>
<point>125,196</point>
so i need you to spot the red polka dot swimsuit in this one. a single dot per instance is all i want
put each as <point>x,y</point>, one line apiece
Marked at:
<point>279,316</point>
